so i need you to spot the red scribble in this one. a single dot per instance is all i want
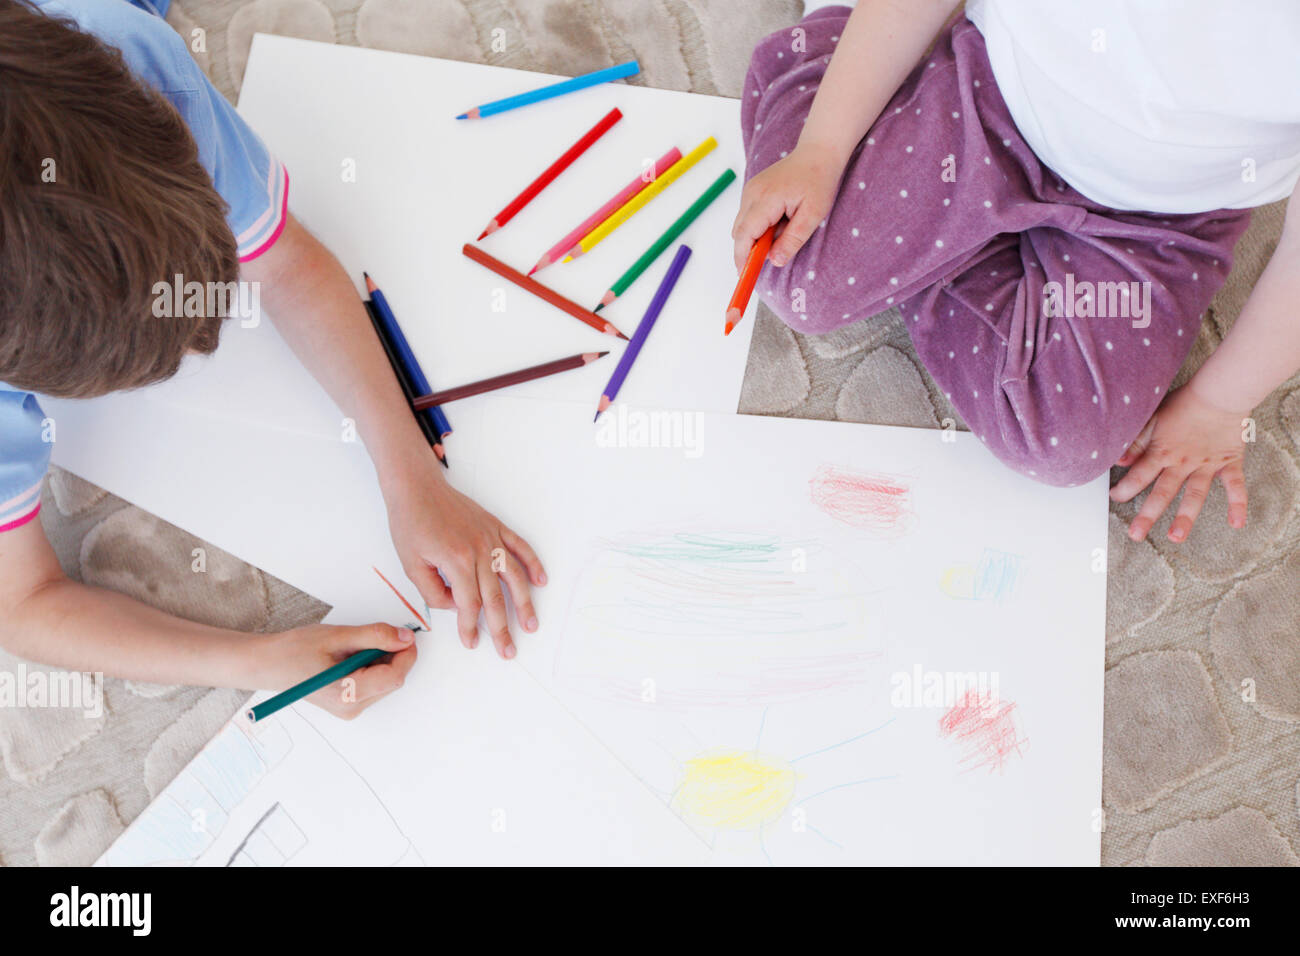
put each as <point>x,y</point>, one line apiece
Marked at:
<point>876,502</point>
<point>987,728</point>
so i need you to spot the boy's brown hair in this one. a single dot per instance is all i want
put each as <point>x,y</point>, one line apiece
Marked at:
<point>101,196</point>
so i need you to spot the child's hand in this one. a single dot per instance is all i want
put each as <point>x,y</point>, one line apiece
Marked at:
<point>801,188</point>
<point>1188,441</point>
<point>437,530</point>
<point>293,656</point>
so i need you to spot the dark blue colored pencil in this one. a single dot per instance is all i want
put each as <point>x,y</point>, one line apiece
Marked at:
<point>404,354</point>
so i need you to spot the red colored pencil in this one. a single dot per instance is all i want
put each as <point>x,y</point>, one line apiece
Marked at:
<point>529,284</point>
<point>748,279</point>
<point>553,170</point>
<point>506,380</point>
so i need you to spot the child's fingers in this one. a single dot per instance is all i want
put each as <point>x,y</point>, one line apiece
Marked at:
<point>349,640</point>
<point>1234,485</point>
<point>1189,508</point>
<point>526,555</point>
<point>349,696</point>
<point>433,589</point>
<point>494,610</point>
<point>464,587</point>
<point>753,222</point>
<point>1143,472</point>
<point>520,595</point>
<point>1161,495</point>
<point>1139,444</point>
<point>796,232</point>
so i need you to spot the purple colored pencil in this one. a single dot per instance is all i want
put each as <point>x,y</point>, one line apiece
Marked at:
<point>643,329</point>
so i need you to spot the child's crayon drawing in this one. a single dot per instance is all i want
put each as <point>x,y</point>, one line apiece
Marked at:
<point>986,726</point>
<point>994,578</point>
<point>716,619</point>
<point>874,502</point>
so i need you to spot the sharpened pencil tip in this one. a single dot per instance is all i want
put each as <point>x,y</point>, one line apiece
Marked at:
<point>596,419</point>
<point>463,116</point>
<point>599,307</point>
<point>730,326</point>
<point>608,297</point>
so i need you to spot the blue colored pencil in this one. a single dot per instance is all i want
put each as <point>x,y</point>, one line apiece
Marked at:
<point>419,383</point>
<point>631,68</point>
<point>643,330</point>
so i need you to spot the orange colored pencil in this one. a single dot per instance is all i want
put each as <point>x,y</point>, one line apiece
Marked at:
<point>748,279</point>
<point>418,616</point>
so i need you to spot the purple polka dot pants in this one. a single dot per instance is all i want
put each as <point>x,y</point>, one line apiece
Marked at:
<point>1053,324</point>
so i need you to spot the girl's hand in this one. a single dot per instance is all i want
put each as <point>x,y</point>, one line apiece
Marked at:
<point>292,656</point>
<point>444,538</point>
<point>1187,441</point>
<point>800,188</point>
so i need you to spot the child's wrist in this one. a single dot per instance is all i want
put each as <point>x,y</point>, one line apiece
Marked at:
<point>1215,398</point>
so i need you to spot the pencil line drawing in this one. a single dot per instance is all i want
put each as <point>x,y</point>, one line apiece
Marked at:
<point>185,823</point>
<point>272,841</point>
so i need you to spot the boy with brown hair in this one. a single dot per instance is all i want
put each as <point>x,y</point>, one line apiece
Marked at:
<point>121,167</point>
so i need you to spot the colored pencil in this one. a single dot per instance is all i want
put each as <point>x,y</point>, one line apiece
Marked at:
<point>424,421</point>
<point>529,284</point>
<point>638,201</point>
<point>663,242</point>
<point>508,379</point>
<point>312,684</point>
<point>748,278</point>
<point>643,329</point>
<point>630,68</point>
<point>328,676</point>
<point>557,251</point>
<point>419,384</point>
<point>548,175</point>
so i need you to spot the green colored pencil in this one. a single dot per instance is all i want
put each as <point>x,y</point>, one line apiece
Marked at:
<point>312,684</point>
<point>664,241</point>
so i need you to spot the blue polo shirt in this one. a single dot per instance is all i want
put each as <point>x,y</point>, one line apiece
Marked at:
<point>251,181</point>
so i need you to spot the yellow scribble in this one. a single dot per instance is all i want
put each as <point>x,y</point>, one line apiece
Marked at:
<point>734,789</point>
<point>958,581</point>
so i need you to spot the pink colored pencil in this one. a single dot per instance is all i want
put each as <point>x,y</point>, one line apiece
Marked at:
<point>563,247</point>
<point>560,165</point>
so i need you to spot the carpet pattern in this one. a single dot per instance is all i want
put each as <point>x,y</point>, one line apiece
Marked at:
<point>1202,729</point>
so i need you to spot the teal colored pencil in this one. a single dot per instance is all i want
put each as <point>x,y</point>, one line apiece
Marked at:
<point>664,241</point>
<point>312,684</point>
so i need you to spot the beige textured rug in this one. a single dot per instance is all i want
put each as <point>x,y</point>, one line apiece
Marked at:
<point>1202,737</point>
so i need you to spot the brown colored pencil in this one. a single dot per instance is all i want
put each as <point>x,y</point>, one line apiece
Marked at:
<point>505,380</point>
<point>529,284</point>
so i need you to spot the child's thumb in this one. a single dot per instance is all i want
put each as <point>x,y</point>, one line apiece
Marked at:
<point>385,637</point>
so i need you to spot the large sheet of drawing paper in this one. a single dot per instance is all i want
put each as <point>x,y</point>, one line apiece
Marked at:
<point>772,640</point>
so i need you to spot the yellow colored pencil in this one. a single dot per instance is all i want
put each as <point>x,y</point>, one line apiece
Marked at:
<point>641,198</point>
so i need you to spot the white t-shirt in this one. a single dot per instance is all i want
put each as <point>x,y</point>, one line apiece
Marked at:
<point>1161,105</point>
